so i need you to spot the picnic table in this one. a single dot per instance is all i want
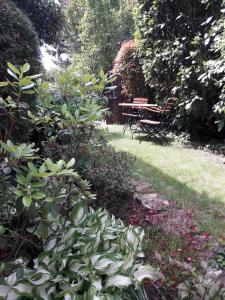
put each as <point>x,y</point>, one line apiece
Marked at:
<point>142,117</point>
<point>133,112</point>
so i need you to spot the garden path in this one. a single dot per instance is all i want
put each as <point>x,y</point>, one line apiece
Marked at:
<point>151,209</point>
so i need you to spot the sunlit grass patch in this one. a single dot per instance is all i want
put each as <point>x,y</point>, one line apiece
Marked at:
<point>193,178</point>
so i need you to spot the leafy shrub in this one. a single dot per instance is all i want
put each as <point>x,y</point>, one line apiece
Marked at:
<point>93,256</point>
<point>109,173</point>
<point>13,108</point>
<point>185,281</point>
<point>181,57</point>
<point>68,112</point>
<point>127,67</point>
<point>34,192</point>
<point>18,40</point>
<point>202,285</point>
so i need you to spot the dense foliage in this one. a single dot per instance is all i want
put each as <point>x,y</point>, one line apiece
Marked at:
<point>96,29</point>
<point>46,16</point>
<point>52,244</point>
<point>18,40</point>
<point>112,186</point>
<point>181,46</point>
<point>92,256</point>
<point>43,199</point>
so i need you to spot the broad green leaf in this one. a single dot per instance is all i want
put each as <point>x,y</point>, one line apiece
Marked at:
<point>18,193</point>
<point>50,245</point>
<point>49,199</point>
<point>33,169</point>
<point>35,76</point>
<point>38,195</point>
<point>64,108</point>
<point>21,179</point>
<point>12,74</point>
<point>4,83</point>
<point>147,272</point>
<point>28,92</point>
<point>25,68</point>
<point>102,264</point>
<point>37,184</point>
<point>13,68</point>
<point>27,201</point>
<point>51,166</point>
<point>71,163</point>
<point>29,86</point>
<point>78,213</point>
<point>118,281</point>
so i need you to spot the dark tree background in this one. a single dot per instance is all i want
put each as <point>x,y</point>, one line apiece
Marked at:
<point>18,39</point>
<point>46,16</point>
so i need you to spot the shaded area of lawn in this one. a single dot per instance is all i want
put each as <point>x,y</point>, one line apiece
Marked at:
<point>193,178</point>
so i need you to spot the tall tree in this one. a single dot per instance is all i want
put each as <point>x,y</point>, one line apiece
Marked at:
<point>96,30</point>
<point>46,16</point>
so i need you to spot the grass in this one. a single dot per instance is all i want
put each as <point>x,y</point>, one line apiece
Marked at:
<point>193,178</point>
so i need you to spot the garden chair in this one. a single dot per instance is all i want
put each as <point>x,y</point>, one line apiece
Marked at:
<point>158,121</point>
<point>133,115</point>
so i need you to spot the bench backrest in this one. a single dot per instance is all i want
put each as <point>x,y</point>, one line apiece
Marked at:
<point>140,100</point>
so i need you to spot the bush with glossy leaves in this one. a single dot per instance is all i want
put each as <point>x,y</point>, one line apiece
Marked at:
<point>180,55</point>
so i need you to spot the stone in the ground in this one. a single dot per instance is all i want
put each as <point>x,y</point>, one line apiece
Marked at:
<point>152,201</point>
<point>141,186</point>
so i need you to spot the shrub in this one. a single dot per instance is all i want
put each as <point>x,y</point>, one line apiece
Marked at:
<point>109,173</point>
<point>15,123</point>
<point>180,57</point>
<point>93,256</point>
<point>18,40</point>
<point>127,67</point>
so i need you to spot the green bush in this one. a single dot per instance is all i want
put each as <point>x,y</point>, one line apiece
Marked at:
<point>14,104</point>
<point>109,173</point>
<point>46,16</point>
<point>181,56</point>
<point>18,40</point>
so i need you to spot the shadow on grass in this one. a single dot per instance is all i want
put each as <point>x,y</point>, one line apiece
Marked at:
<point>208,212</point>
<point>157,141</point>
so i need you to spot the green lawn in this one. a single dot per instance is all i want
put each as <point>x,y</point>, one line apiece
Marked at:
<point>193,178</point>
